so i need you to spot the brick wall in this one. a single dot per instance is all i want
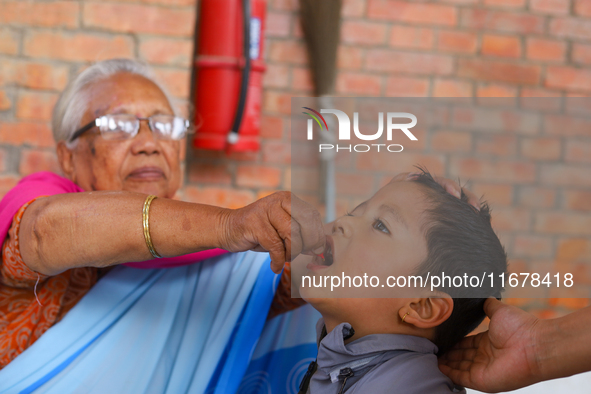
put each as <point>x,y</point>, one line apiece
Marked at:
<point>458,48</point>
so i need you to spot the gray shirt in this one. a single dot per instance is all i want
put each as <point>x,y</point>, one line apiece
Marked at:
<point>379,363</point>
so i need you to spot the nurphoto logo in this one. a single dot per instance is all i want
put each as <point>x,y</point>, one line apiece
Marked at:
<point>344,130</point>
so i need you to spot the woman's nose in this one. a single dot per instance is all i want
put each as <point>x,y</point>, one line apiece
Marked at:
<point>145,141</point>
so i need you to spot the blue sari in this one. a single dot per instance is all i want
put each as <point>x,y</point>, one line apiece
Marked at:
<point>193,329</point>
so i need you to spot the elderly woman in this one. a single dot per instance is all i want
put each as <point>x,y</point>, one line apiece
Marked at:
<point>118,143</point>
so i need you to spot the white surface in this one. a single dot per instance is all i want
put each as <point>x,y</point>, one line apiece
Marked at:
<point>577,384</point>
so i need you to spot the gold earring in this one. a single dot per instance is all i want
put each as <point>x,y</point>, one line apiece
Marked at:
<point>404,317</point>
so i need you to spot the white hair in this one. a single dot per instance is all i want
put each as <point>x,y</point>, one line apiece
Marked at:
<point>73,102</point>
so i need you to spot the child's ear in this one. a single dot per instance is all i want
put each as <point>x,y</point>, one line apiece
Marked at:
<point>427,312</point>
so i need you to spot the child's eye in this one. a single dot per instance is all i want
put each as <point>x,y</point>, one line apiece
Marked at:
<point>380,226</point>
<point>348,214</point>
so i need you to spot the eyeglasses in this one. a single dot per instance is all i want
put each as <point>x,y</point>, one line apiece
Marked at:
<point>126,126</point>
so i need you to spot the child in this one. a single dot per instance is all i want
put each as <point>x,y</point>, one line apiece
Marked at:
<point>382,345</point>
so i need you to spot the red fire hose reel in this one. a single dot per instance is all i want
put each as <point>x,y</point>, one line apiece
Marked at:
<point>229,70</point>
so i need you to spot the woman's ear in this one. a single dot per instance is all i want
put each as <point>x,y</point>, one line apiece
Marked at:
<point>66,159</point>
<point>427,312</point>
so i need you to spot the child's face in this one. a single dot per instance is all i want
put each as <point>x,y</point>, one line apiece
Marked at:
<point>382,237</point>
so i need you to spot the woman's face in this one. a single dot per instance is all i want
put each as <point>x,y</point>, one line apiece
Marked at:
<point>142,164</point>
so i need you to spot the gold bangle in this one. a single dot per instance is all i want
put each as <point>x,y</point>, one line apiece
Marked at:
<point>146,221</point>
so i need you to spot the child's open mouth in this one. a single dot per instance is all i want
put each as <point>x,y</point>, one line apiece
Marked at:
<point>326,258</point>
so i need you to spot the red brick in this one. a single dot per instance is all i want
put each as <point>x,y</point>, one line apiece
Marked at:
<point>77,47</point>
<point>506,120</point>
<point>457,41</point>
<point>407,87</point>
<point>402,162</point>
<point>568,78</point>
<point>276,152</point>
<point>26,133</point>
<point>34,161</point>
<point>412,12</point>
<point>271,127</point>
<point>177,82</point>
<point>570,28</point>
<point>532,246</point>
<point>494,193</point>
<point>541,148</point>
<point>40,14</point>
<point>8,42</point>
<point>582,7</point>
<point>35,105</point>
<point>537,197</point>
<point>7,182</point>
<point>513,4</point>
<point>551,100</point>
<point>565,175</point>
<point>277,102</point>
<point>579,200</point>
<point>285,5</point>
<point>301,79</point>
<point>563,223</point>
<point>221,197</point>
<point>353,8</point>
<point>452,88</point>
<point>411,37</point>
<point>173,3</point>
<point>257,176</point>
<point>276,76</point>
<point>302,180</point>
<point>502,46</point>
<point>489,171</point>
<point>137,18</point>
<point>451,141</point>
<point>578,151</point>
<point>291,52</point>
<point>510,22</point>
<point>277,24</point>
<point>496,145</point>
<point>208,173</point>
<point>305,154</point>
<point>353,184</point>
<point>5,102</point>
<point>553,7</point>
<point>493,90</point>
<point>488,70</point>
<point>41,76</point>
<point>356,83</point>
<point>573,250</point>
<point>545,50</point>
<point>416,63</point>
<point>581,53</point>
<point>349,58</point>
<point>166,51</point>
<point>367,33</point>
<point>567,126</point>
<point>510,219</point>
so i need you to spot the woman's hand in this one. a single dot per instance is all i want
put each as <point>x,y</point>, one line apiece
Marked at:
<point>501,359</point>
<point>280,224</point>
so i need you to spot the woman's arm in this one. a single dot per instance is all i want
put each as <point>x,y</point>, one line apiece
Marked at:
<point>100,229</point>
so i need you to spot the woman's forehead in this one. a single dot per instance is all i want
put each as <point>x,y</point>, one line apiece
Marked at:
<point>127,93</point>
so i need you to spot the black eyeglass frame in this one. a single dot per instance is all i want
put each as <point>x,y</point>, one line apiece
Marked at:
<point>98,122</point>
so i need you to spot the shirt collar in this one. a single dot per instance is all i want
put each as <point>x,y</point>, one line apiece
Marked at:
<point>333,353</point>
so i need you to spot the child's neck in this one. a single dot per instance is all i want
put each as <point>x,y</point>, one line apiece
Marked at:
<point>364,327</point>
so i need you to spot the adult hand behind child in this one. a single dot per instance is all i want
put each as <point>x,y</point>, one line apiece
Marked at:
<point>500,359</point>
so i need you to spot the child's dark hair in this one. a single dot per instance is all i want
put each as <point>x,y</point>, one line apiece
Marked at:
<point>460,240</point>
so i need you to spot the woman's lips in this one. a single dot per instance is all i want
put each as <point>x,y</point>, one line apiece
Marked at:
<point>147,174</point>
